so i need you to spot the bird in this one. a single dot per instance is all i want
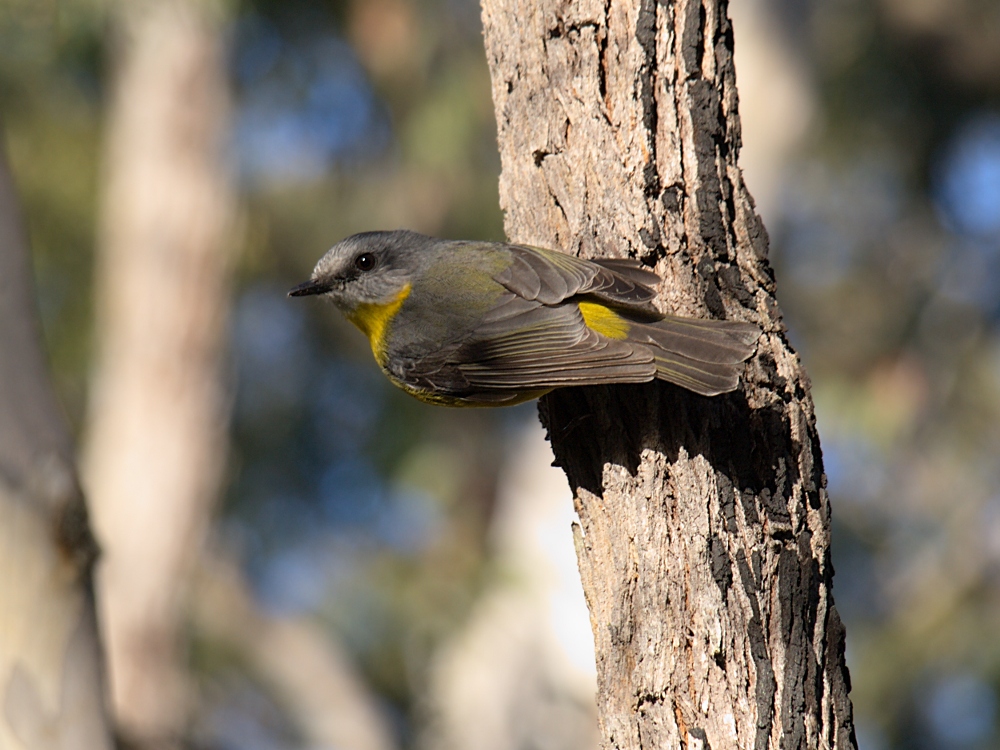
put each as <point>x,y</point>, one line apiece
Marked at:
<point>470,323</point>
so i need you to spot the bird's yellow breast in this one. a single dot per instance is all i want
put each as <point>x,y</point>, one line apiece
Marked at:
<point>373,321</point>
<point>604,320</point>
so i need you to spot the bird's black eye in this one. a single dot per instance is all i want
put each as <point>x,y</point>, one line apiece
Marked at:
<point>365,262</point>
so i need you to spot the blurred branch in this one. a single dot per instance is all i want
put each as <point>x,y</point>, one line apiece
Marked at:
<point>51,682</point>
<point>310,675</point>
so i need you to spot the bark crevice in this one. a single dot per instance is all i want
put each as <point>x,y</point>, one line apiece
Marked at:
<point>704,523</point>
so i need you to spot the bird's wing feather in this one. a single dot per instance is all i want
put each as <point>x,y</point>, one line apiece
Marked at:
<point>528,341</point>
<point>631,269</point>
<point>550,277</point>
<point>548,347</point>
<point>525,345</point>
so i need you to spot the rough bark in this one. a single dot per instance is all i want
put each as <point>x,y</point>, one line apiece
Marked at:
<point>51,681</point>
<point>156,433</point>
<point>704,534</point>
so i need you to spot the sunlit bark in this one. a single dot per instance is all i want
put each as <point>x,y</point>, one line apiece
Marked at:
<point>704,535</point>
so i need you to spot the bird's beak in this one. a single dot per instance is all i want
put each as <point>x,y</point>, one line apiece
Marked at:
<point>307,288</point>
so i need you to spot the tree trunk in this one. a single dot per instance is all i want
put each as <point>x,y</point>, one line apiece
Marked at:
<point>51,680</point>
<point>157,427</point>
<point>519,672</point>
<point>704,534</point>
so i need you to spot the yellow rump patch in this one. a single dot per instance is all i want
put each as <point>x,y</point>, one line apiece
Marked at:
<point>604,320</point>
<point>373,321</point>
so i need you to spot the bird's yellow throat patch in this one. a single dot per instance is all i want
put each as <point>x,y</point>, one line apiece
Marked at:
<point>604,320</point>
<point>373,320</point>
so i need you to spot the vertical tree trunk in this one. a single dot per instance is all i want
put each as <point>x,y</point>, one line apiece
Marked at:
<point>156,434</point>
<point>51,679</point>
<point>704,529</point>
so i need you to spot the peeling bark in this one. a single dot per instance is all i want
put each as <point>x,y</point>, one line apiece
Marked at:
<point>704,534</point>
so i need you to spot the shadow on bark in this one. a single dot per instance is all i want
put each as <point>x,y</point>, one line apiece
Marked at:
<point>594,425</point>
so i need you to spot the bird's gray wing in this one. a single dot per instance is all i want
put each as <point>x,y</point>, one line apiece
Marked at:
<point>524,345</point>
<point>519,346</point>
<point>631,269</point>
<point>550,277</point>
<point>529,341</point>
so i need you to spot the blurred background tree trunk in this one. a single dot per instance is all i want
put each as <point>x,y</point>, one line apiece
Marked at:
<point>519,673</point>
<point>301,662</point>
<point>704,529</point>
<point>51,676</point>
<point>156,434</point>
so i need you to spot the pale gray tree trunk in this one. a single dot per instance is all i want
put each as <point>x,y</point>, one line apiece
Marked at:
<point>156,434</point>
<point>704,535</point>
<point>51,679</point>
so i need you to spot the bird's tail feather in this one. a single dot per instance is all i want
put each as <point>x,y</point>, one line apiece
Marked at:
<point>704,356</point>
<point>706,378</point>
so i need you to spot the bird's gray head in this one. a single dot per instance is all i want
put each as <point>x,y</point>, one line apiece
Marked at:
<point>368,268</point>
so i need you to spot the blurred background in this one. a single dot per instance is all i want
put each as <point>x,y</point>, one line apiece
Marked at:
<point>296,555</point>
